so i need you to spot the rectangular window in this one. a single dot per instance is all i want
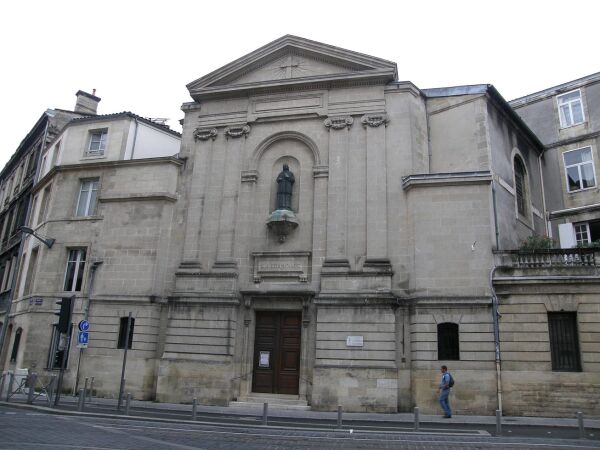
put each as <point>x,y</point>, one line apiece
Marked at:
<point>582,233</point>
<point>75,269</point>
<point>31,271</point>
<point>579,169</point>
<point>448,341</point>
<point>88,195</point>
<point>97,143</point>
<point>44,204</point>
<point>123,332</point>
<point>564,342</point>
<point>570,109</point>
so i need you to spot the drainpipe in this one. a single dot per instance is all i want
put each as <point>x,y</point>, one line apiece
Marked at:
<point>495,214</point>
<point>134,136</point>
<point>495,316</point>
<point>546,218</point>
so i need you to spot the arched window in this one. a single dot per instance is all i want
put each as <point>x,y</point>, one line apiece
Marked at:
<point>520,186</point>
<point>15,349</point>
<point>448,348</point>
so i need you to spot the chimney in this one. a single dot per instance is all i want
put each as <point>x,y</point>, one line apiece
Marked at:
<point>86,103</point>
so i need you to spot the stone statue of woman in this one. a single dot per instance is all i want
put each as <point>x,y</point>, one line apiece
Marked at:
<point>285,185</point>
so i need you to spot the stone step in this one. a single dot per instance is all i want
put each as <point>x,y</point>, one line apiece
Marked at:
<point>274,400</point>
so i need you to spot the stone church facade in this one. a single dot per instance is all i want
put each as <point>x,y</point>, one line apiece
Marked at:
<point>393,257</point>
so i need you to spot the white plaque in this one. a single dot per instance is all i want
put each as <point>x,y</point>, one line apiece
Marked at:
<point>264,359</point>
<point>354,341</point>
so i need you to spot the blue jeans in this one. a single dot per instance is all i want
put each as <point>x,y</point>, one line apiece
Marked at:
<point>445,403</point>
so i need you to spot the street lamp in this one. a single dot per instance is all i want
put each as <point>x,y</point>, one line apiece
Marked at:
<point>46,240</point>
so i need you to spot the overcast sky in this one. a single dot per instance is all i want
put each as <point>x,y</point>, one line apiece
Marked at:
<point>139,55</point>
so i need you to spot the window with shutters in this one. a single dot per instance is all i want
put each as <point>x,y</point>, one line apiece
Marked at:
<point>448,341</point>
<point>564,341</point>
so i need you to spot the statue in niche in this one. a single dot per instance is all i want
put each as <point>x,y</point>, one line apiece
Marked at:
<point>285,185</point>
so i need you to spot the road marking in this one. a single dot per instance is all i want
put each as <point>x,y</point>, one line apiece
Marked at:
<point>357,438</point>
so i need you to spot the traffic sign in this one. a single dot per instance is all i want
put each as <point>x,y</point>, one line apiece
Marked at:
<point>84,325</point>
<point>83,338</point>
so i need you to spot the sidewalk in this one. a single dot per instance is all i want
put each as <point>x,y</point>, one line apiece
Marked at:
<point>68,405</point>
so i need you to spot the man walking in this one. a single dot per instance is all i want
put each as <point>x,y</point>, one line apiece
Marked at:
<point>443,392</point>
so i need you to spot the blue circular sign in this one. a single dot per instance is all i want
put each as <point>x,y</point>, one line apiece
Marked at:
<point>84,325</point>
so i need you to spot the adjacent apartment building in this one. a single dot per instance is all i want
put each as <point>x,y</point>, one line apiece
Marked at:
<point>16,182</point>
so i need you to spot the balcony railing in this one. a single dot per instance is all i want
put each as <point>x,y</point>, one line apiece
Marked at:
<point>568,257</point>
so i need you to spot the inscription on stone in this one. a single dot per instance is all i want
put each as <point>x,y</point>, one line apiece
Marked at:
<point>281,266</point>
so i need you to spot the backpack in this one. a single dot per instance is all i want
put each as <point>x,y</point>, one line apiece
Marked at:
<point>451,380</point>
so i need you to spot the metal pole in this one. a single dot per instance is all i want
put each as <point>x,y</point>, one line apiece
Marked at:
<point>81,400</point>
<point>581,425</point>
<point>50,389</point>
<point>339,417</point>
<point>122,385</point>
<point>2,380</point>
<point>86,313</point>
<point>194,406</point>
<point>85,388</point>
<point>31,386</point>
<point>91,391</point>
<point>128,403</point>
<point>416,419</point>
<point>498,422</point>
<point>265,413</point>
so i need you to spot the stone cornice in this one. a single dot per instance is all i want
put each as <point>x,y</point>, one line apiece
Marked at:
<point>138,197</point>
<point>382,76</point>
<point>446,179</point>
<point>103,164</point>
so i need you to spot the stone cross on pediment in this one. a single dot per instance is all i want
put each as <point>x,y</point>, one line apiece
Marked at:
<point>288,64</point>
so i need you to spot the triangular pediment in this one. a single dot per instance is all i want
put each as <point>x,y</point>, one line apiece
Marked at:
<point>291,60</point>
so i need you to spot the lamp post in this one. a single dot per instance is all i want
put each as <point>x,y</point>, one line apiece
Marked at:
<point>49,242</point>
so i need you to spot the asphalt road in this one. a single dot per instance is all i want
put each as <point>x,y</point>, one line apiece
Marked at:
<point>27,430</point>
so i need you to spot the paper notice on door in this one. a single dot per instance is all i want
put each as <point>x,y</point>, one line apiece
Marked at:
<point>264,359</point>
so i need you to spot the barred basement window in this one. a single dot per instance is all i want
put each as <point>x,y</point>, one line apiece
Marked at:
<point>123,333</point>
<point>564,341</point>
<point>448,342</point>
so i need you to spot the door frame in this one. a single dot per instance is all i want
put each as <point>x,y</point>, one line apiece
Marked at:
<point>283,302</point>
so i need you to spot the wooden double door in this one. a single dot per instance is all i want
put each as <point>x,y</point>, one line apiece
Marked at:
<point>277,352</point>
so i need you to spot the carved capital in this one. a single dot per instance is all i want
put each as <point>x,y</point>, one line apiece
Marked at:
<point>374,120</point>
<point>204,134</point>
<point>237,131</point>
<point>338,123</point>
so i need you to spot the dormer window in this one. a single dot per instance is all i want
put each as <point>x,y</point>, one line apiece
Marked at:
<point>570,109</point>
<point>97,142</point>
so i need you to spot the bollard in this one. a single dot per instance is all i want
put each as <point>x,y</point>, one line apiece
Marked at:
<point>91,391</point>
<point>50,390</point>
<point>81,400</point>
<point>11,379</point>
<point>580,424</point>
<point>85,387</point>
<point>339,418</point>
<point>127,403</point>
<point>265,413</point>
<point>2,379</point>
<point>416,419</point>
<point>498,422</point>
<point>31,378</point>
<point>194,406</point>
